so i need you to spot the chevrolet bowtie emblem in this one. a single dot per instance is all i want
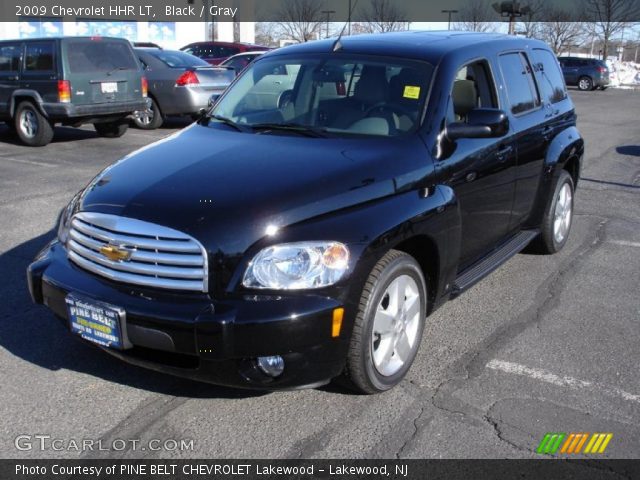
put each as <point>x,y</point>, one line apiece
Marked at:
<point>116,253</point>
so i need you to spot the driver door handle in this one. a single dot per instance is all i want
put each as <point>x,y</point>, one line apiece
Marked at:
<point>504,153</point>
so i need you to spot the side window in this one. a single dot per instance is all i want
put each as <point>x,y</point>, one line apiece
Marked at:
<point>39,57</point>
<point>518,79</point>
<point>9,58</point>
<point>549,75</point>
<point>472,88</point>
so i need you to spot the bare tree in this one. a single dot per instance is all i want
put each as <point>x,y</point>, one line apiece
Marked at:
<point>477,15</point>
<point>266,34</point>
<point>607,18</point>
<point>382,16</point>
<point>559,30</point>
<point>300,20</point>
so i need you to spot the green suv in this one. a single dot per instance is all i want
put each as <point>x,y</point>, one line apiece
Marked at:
<point>69,81</point>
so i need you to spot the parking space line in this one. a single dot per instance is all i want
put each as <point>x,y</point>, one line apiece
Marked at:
<point>28,162</point>
<point>625,243</point>
<point>559,380</point>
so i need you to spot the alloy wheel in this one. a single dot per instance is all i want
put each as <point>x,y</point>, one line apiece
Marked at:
<point>563,211</point>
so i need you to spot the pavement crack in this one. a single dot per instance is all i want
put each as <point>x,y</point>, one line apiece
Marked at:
<point>413,435</point>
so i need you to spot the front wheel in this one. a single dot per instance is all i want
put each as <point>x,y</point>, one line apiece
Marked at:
<point>558,217</point>
<point>32,127</point>
<point>111,129</point>
<point>389,324</point>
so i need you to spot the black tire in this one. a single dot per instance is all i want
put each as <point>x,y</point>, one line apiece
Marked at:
<point>361,372</point>
<point>604,87</point>
<point>585,84</point>
<point>33,128</point>
<point>547,242</point>
<point>155,119</point>
<point>111,129</point>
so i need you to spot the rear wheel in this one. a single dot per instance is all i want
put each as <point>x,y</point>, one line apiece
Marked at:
<point>32,127</point>
<point>389,324</point>
<point>585,83</point>
<point>149,119</point>
<point>111,129</point>
<point>558,217</point>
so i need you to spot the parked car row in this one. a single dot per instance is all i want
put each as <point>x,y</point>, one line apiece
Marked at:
<point>104,81</point>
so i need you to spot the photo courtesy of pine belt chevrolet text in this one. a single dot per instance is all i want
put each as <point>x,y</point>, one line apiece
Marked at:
<point>305,227</point>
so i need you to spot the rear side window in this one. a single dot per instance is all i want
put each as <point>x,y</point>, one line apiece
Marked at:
<point>518,79</point>
<point>86,56</point>
<point>39,57</point>
<point>9,58</point>
<point>549,75</point>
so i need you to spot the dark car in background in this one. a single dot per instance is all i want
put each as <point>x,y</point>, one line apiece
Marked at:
<point>337,194</point>
<point>585,73</point>
<point>179,84</point>
<point>240,61</point>
<point>69,81</point>
<point>216,52</point>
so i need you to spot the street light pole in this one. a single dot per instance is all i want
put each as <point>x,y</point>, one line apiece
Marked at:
<point>328,13</point>
<point>450,12</point>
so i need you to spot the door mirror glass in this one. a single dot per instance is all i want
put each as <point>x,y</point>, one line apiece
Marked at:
<point>480,123</point>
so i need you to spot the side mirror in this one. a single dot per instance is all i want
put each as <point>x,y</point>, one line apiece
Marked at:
<point>481,123</point>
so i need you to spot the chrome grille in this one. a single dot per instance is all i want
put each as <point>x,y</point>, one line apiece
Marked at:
<point>159,257</point>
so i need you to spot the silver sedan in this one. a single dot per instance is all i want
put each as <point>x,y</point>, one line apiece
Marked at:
<point>179,84</point>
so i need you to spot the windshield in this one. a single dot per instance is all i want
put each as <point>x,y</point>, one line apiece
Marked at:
<point>178,59</point>
<point>334,93</point>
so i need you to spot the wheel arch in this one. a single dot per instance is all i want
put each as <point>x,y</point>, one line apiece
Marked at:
<point>20,96</point>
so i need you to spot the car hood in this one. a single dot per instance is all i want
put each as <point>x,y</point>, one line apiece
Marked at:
<point>225,187</point>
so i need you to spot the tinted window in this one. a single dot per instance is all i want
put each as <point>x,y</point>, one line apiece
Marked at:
<point>519,82</point>
<point>9,58</point>
<point>227,51</point>
<point>39,57</point>
<point>550,78</point>
<point>178,59</point>
<point>87,56</point>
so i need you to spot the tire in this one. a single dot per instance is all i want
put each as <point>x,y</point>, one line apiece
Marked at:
<point>111,129</point>
<point>149,119</point>
<point>585,84</point>
<point>604,87</point>
<point>368,370</point>
<point>556,224</point>
<point>32,128</point>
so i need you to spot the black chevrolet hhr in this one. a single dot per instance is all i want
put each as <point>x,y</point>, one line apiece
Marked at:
<point>336,195</point>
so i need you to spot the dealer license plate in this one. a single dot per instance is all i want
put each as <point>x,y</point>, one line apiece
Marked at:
<point>109,87</point>
<point>96,322</point>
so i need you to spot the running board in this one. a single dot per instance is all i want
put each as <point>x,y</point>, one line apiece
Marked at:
<point>478,271</point>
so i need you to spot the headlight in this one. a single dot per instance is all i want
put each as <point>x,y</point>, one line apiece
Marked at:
<point>296,266</point>
<point>64,222</point>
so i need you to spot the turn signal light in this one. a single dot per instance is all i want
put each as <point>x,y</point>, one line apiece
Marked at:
<point>336,323</point>
<point>187,78</point>
<point>145,87</point>
<point>64,91</point>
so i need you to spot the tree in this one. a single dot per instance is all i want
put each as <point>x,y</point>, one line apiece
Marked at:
<point>559,31</point>
<point>266,34</point>
<point>607,18</point>
<point>300,20</point>
<point>382,16</point>
<point>477,15</point>
<point>530,23</point>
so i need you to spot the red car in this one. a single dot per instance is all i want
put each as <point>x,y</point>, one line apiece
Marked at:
<point>216,52</point>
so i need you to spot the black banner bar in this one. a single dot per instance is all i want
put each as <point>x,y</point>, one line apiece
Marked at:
<point>317,469</point>
<point>381,11</point>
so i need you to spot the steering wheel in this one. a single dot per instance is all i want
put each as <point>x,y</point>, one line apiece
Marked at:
<point>389,107</point>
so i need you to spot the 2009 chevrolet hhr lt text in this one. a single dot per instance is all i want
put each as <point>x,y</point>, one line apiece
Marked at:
<point>335,195</point>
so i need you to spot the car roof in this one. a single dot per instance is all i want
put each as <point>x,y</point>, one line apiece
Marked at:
<point>430,46</point>
<point>84,37</point>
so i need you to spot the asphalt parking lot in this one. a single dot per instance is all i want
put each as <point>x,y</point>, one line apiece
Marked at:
<point>545,344</point>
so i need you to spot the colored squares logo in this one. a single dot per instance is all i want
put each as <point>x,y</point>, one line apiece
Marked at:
<point>573,443</point>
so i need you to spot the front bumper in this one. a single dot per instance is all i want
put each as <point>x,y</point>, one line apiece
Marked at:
<point>193,336</point>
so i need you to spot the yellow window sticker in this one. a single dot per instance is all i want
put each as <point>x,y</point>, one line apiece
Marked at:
<point>411,91</point>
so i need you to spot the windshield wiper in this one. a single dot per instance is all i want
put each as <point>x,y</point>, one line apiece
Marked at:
<point>306,130</point>
<point>115,70</point>
<point>231,123</point>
